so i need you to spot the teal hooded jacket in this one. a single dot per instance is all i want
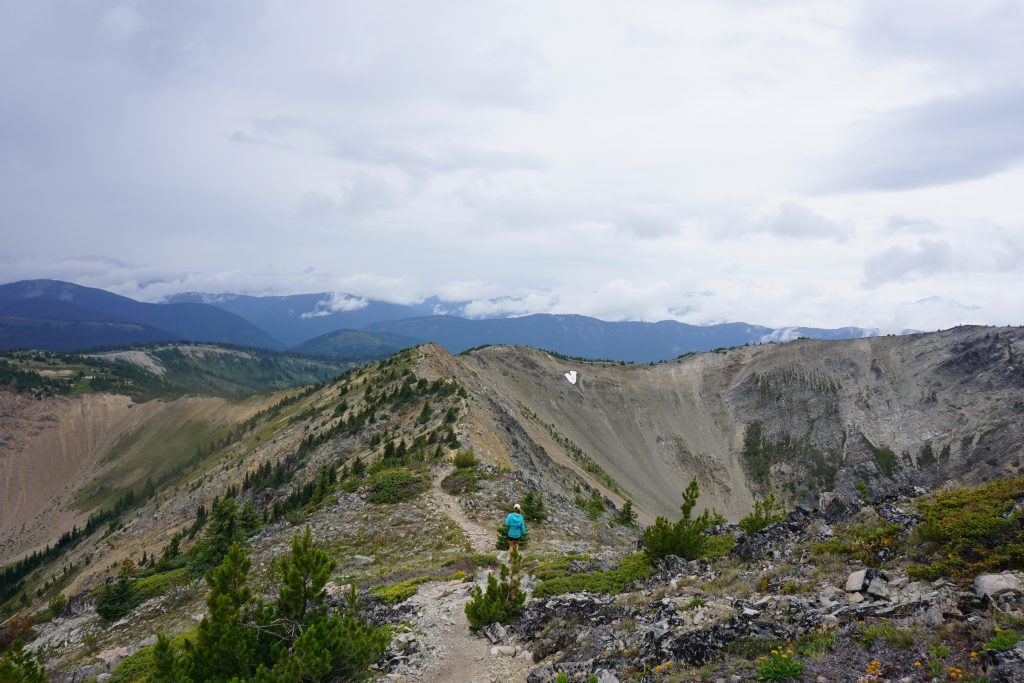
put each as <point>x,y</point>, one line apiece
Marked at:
<point>516,525</point>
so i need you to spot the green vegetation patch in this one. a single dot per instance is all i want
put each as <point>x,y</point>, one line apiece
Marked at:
<point>885,458</point>
<point>463,481</point>
<point>395,485</point>
<point>863,542</point>
<point>399,592</point>
<point>761,452</point>
<point>971,531</point>
<point>634,567</point>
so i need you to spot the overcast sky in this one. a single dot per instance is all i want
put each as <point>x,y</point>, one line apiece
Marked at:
<point>782,163</point>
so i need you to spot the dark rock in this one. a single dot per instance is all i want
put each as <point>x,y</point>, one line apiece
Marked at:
<point>837,508</point>
<point>576,672</point>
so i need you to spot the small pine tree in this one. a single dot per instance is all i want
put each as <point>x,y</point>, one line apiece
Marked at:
<point>503,599</point>
<point>533,507</point>
<point>248,519</point>
<point>358,468</point>
<point>687,538</point>
<point>223,646</point>
<point>116,599</point>
<point>765,512</point>
<point>627,515</point>
<point>223,530</point>
<point>171,551</point>
<point>19,666</point>
<point>425,413</point>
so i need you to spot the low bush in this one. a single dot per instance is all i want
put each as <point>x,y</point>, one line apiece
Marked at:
<point>399,592</point>
<point>1003,640</point>
<point>466,458</point>
<point>556,567</point>
<point>816,643</point>
<point>632,568</point>
<point>866,543</point>
<point>393,486</point>
<point>779,665</point>
<point>463,481</point>
<point>58,603</point>
<point>897,637</point>
<point>471,561</point>
<point>971,531</point>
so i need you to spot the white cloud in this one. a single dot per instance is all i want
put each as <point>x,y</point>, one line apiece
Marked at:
<point>578,158</point>
<point>335,303</point>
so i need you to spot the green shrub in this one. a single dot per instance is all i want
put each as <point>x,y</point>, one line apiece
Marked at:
<point>632,568</point>
<point>556,567</point>
<point>463,481</point>
<point>862,489</point>
<point>971,531</point>
<point>765,512</point>
<point>688,537</point>
<point>593,506</point>
<point>862,542</point>
<point>779,665</point>
<point>897,637</point>
<point>58,603</point>
<point>399,592</point>
<point>19,666</point>
<point>116,599</point>
<point>816,643</point>
<point>394,486</point>
<point>501,602</point>
<point>1003,640</point>
<point>466,458</point>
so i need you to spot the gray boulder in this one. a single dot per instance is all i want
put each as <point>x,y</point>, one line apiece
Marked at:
<point>994,585</point>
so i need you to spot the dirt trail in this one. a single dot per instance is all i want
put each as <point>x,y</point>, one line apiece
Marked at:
<point>480,537</point>
<point>456,655</point>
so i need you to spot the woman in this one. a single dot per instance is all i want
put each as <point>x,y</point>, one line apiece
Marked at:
<point>516,528</point>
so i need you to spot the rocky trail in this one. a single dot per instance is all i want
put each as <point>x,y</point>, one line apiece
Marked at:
<point>440,646</point>
<point>480,537</point>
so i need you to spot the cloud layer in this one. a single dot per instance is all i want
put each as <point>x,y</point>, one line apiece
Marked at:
<point>791,163</point>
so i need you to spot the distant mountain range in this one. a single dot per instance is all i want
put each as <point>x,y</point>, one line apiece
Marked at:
<point>578,335</point>
<point>56,315</point>
<point>300,317</point>
<point>61,316</point>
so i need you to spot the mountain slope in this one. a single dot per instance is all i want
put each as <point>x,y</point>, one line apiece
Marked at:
<point>354,345</point>
<point>73,335</point>
<point>55,300</point>
<point>577,335</point>
<point>800,418</point>
<point>164,371</point>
